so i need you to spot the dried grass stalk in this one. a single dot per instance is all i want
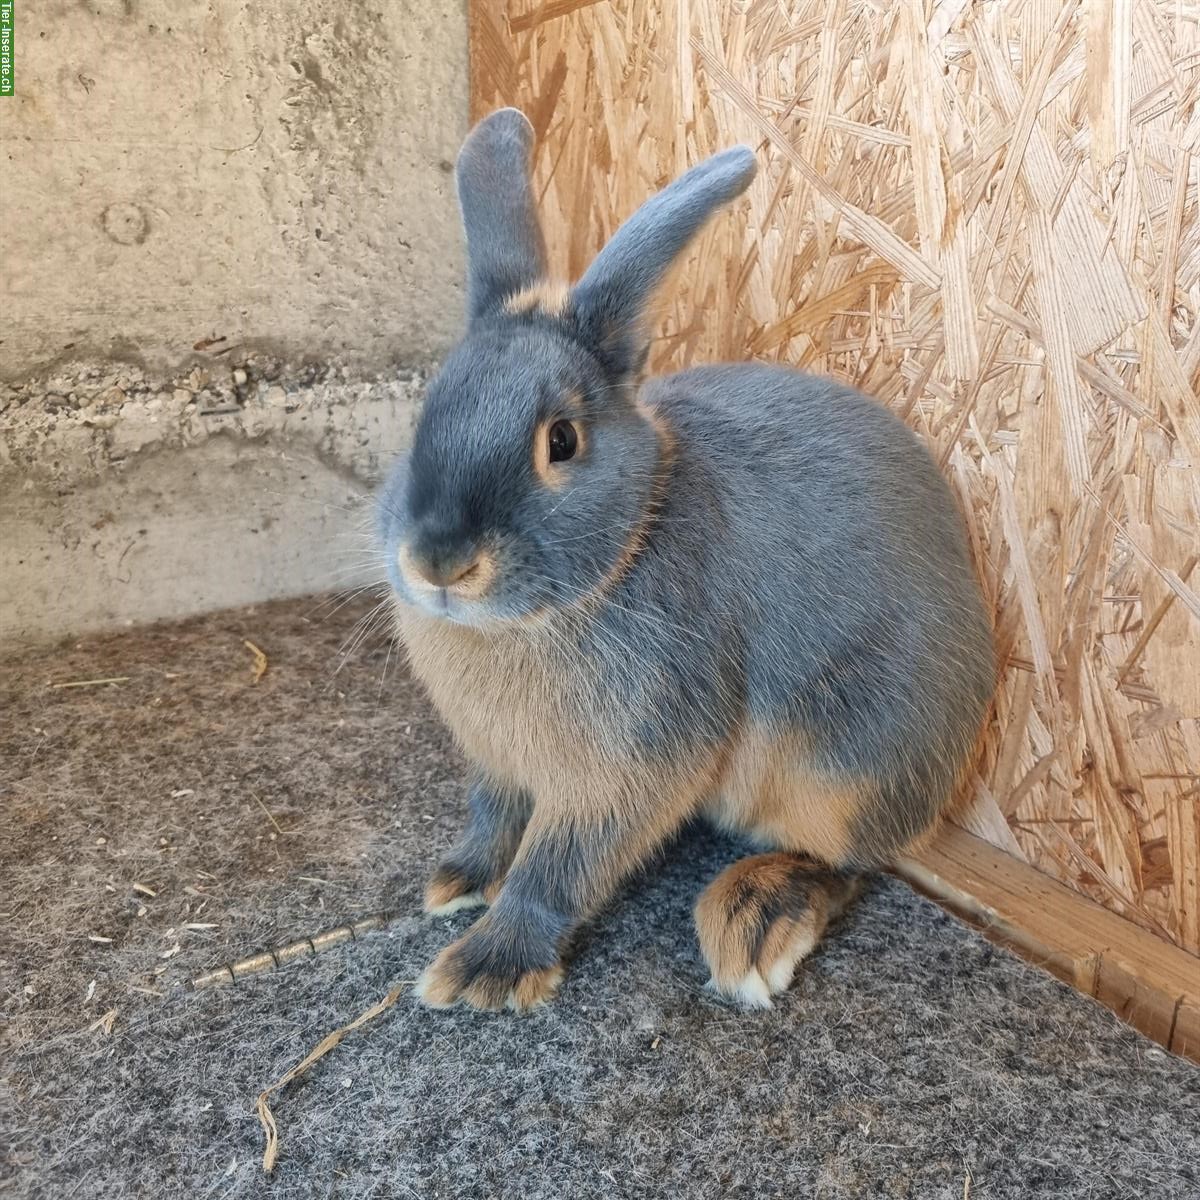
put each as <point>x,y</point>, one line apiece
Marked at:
<point>270,960</point>
<point>323,1047</point>
<point>261,662</point>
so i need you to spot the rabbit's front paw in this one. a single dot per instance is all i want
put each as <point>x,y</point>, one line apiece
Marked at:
<point>452,888</point>
<point>490,971</point>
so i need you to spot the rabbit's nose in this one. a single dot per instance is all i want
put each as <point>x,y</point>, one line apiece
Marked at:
<point>448,573</point>
<point>446,570</point>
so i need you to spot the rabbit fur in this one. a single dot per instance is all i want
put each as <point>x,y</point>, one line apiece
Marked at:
<point>745,595</point>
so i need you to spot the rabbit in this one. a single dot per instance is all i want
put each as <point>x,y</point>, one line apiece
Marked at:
<point>738,592</point>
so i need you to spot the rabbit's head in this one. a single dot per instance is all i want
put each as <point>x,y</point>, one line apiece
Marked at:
<point>533,469</point>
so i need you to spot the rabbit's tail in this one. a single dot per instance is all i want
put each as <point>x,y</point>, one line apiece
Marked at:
<point>762,916</point>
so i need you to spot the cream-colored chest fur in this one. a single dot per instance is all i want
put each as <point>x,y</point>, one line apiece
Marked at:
<point>532,712</point>
<point>515,699</point>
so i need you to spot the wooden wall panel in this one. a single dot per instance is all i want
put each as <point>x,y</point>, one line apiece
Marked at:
<point>986,216</point>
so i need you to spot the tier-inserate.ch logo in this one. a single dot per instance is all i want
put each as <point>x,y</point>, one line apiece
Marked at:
<point>7,41</point>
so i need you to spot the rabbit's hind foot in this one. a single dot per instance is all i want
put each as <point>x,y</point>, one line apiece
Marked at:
<point>761,917</point>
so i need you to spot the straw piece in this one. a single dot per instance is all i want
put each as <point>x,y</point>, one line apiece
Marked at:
<point>261,662</point>
<point>87,683</point>
<point>270,960</point>
<point>323,1047</point>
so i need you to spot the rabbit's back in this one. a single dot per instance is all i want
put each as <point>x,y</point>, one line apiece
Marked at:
<point>861,627</point>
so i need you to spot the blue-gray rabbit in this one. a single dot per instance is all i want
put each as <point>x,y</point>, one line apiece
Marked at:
<point>739,591</point>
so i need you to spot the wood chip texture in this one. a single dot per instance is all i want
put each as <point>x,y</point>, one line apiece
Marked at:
<point>985,215</point>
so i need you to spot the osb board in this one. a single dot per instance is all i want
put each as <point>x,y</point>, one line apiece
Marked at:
<point>986,216</point>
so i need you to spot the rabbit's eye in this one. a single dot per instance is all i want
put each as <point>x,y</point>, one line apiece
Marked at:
<point>563,441</point>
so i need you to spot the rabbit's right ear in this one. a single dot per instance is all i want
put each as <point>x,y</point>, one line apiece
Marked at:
<point>505,250</point>
<point>609,302</point>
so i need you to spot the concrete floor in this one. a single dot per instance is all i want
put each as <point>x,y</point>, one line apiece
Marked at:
<point>185,816</point>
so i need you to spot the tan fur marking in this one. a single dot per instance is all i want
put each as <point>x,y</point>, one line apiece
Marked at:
<point>779,966</point>
<point>504,695</point>
<point>729,913</point>
<point>636,542</point>
<point>548,296</point>
<point>487,992</point>
<point>459,904</point>
<point>775,945</point>
<point>729,922</point>
<point>534,988</point>
<point>438,987</point>
<point>441,893</point>
<point>408,568</point>
<point>523,706</point>
<point>914,846</point>
<point>772,793</point>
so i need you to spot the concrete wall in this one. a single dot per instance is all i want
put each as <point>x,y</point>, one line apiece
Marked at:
<point>136,502</point>
<point>231,254</point>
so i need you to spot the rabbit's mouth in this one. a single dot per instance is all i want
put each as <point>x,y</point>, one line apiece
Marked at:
<point>446,605</point>
<point>453,588</point>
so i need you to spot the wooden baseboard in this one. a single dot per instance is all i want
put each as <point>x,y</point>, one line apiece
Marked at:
<point>1149,983</point>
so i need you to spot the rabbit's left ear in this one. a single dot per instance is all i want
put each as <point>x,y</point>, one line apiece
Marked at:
<point>505,250</point>
<point>610,299</point>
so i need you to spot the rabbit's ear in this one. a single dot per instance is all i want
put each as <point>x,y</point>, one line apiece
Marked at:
<point>505,250</point>
<point>610,299</point>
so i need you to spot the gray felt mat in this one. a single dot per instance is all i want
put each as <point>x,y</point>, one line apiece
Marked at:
<point>911,1059</point>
